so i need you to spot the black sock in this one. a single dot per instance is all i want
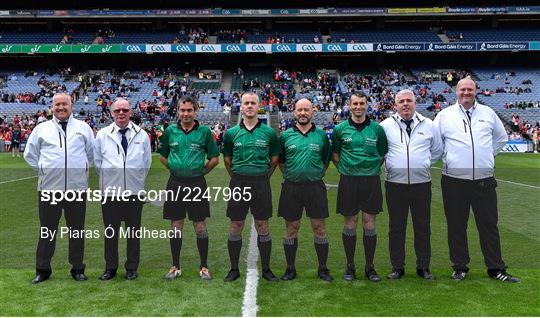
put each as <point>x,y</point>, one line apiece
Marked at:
<point>370,243</point>
<point>264,242</point>
<point>176,246</point>
<point>202,246</point>
<point>290,246</point>
<point>321,247</point>
<point>235,246</point>
<point>349,243</point>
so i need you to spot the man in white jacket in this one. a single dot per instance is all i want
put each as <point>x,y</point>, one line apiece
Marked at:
<point>472,136</point>
<point>413,146</point>
<point>61,151</point>
<point>122,156</point>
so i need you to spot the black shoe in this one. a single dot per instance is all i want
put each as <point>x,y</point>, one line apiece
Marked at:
<point>40,277</point>
<point>372,275</point>
<point>131,275</point>
<point>324,274</point>
<point>425,273</point>
<point>108,274</point>
<point>396,273</point>
<point>233,275</point>
<point>350,273</point>
<point>290,274</point>
<point>269,276</point>
<point>459,274</point>
<point>80,277</point>
<point>503,276</point>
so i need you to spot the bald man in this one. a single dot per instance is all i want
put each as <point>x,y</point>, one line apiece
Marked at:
<point>61,151</point>
<point>305,155</point>
<point>122,158</point>
<point>472,135</point>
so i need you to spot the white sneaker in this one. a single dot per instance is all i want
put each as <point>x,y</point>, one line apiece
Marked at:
<point>173,273</point>
<point>205,274</point>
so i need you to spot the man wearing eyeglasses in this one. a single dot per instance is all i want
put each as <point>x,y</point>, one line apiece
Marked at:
<point>122,158</point>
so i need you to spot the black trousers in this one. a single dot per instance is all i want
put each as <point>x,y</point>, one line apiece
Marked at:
<point>399,198</point>
<point>458,198</point>
<point>114,212</point>
<point>49,217</point>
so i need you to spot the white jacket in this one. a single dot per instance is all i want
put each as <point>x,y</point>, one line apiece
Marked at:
<point>409,159</point>
<point>117,169</point>
<point>470,147</point>
<point>62,161</point>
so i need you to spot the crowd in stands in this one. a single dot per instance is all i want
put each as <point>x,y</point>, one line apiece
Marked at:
<point>191,36</point>
<point>522,105</point>
<point>102,35</point>
<point>522,129</point>
<point>232,36</point>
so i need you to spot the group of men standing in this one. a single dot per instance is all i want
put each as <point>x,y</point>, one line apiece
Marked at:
<point>466,136</point>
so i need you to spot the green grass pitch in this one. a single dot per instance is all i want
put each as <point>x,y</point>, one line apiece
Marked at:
<point>151,295</point>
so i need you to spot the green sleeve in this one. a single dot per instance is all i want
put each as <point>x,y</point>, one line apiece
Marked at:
<point>274,144</point>
<point>336,140</point>
<point>227,144</point>
<point>164,149</point>
<point>326,151</point>
<point>282,157</point>
<point>211,147</point>
<point>382,142</point>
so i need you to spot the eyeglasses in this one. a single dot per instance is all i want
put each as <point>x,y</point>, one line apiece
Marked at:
<point>119,110</point>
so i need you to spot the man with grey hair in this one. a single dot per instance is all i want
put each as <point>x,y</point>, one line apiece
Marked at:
<point>122,158</point>
<point>472,135</point>
<point>61,150</point>
<point>413,146</point>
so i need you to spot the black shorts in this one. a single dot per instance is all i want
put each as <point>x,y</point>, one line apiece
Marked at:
<point>295,196</point>
<point>359,193</point>
<point>187,198</point>
<point>15,144</point>
<point>260,202</point>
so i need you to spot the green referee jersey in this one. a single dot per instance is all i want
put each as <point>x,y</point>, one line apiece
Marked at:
<point>250,149</point>
<point>304,156</point>
<point>361,147</point>
<point>186,151</point>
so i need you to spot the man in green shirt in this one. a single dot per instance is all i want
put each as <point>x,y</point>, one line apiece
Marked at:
<point>305,155</point>
<point>359,145</point>
<point>251,154</point>
<point>184,146</point>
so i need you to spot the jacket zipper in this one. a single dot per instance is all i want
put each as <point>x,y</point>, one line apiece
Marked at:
<point>472,143</point>
<point>407,145</point>
<point>125,157</point>
<point>65,162</point>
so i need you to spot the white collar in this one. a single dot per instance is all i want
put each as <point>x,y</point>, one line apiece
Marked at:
<point>471,110</point>
<point>56,120</point>
<point>117,129</point>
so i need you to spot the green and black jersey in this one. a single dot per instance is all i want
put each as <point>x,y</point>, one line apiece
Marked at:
<point>186,150</point>
<point>250,149</point>
<point>361,147</point>
<point>304,156</point>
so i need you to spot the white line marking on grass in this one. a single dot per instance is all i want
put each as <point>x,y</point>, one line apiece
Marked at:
<point>501,180</point>
<point>249,305</point>
<point>15,180</point>
<point>511,182</point>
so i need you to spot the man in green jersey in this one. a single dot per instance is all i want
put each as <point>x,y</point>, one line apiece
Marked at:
<point>359,145</point>
<point>184,146</point>
<point>305,155</point>
<point>251,154</point>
